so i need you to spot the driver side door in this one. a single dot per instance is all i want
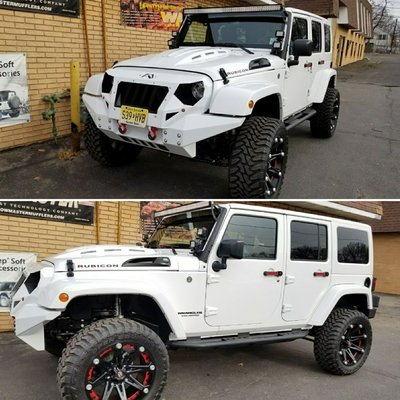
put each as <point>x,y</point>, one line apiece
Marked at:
<point>249,291</point>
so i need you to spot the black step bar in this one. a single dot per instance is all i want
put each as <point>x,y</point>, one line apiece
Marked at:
<point>241,339</point>
<point>299,118</point>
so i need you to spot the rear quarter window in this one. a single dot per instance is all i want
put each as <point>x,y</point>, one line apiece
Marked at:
<point>353,246</point>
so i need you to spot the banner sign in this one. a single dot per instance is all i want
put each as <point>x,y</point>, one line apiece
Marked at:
<point>11,267</point>
<point>153,14</point>
<point>14,103</point>
<point>74,212</point>
<point>67,8</point>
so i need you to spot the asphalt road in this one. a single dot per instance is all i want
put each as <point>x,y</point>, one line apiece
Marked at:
<point>362,160</point>
<point>259,372</point>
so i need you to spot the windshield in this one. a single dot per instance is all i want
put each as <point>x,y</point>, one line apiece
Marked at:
<point>254,31</point>
<point>179,230</point>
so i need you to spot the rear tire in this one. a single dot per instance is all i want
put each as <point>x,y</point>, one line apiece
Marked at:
<point>342,344</point>
<point>116,356</point>
<point>324,123</point>
<point>106,151</point>
<point>258,160</point>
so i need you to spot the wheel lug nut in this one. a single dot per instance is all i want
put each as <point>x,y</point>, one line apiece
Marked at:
<point>341,353</point>
<point>89,387</point>
<point>141,349</point>
<point>96,361</point>
<point>360,326</point>
<point>355,362</point>
<point>268,193</point>
<point>365,336</point>
<point>351,326</point>
<point>119,346</point>
<point>283,154</point>
<point>343,337</point>
<point>281,140</point>
<point>152,367</point>
<point>345,363</point>
<point>362,351</point>
<point>276,140</point>
<point>274,190</point>
<point>145,390</point>
<point>280,174</point>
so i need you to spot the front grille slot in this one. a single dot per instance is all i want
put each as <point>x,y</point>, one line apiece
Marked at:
<point>32,282</point>
<point>141,96</point>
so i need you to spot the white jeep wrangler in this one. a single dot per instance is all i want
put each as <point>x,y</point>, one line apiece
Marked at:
<point>210,275</point>
<point>232,85</point>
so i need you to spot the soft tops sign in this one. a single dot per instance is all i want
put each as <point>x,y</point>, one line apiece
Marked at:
<point>152,14</point>
<point>68,8</point>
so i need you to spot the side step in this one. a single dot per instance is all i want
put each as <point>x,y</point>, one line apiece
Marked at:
<point>240,339</point>
<point>292,122</point>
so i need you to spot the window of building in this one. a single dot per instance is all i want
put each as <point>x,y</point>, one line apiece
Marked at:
<point>258,234</point>
<point>352,246</point>
<point>317,36</point>
<point>309,242</point>
<point>327,30</point>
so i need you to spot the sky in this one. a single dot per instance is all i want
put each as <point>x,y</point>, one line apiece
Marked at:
<point>394,8</point>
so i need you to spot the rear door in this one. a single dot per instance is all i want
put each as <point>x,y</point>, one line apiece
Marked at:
<point>308,269</point>
<point>249,291</point>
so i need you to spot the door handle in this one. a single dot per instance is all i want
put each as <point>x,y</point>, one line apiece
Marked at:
<point>308,65</point>
<point>273,273</point>
<point>320,274</point>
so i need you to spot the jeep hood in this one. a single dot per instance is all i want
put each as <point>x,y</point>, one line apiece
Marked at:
<point>118,257</point>
<point>204,60</point>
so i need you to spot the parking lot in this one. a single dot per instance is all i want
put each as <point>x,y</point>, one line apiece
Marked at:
<point>360,161</point>
<point>259,372</point>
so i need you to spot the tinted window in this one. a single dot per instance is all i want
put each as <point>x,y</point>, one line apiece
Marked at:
<point>327,38</point>
<point>299,31</point>
<point>308,241</point>
<point>352,246</point>
<point>317,36</point>
<point>258,234</point>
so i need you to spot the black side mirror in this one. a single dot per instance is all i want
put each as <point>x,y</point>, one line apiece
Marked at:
<point>302,48</point>
<point>228,249</point>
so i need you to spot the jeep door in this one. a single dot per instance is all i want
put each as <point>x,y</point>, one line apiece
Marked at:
<point>308,267</point>
<point>297,77</point>
<point>249,290</point>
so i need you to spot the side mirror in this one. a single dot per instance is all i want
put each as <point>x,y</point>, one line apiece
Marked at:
<point>302,48</point>
<point>228,249</point>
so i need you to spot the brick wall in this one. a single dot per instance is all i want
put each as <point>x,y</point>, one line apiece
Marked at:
<point>325,8</point>
<point>51,42</point>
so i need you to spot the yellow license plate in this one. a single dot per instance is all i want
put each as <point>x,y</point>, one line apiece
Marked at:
<point>134,116</point>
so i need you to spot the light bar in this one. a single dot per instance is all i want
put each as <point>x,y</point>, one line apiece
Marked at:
<point>192,11</point>
<point>182,209</point>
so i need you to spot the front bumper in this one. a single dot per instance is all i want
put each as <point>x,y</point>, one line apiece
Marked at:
<point>178,127</point>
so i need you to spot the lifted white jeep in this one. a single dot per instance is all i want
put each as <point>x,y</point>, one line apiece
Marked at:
<point>232,85</point>
<point>210,275</point>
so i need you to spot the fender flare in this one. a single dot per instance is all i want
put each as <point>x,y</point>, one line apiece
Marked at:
<point>94,85</point>
<point>320,85</point>
<point>234,99</point>
<point>331,298</point>
<point>49,299</point>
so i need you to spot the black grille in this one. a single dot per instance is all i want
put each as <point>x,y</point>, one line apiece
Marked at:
<point>141,96</point>
<point>32,282</point>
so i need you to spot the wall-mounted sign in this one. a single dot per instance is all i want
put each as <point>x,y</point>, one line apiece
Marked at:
<point>74,212</point>
<point>152,14</point>
<point>67,8</point>
<point>11,267</point>
<point>14,102</point>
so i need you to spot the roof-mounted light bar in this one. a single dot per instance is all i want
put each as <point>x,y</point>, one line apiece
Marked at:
<point>271,7</point>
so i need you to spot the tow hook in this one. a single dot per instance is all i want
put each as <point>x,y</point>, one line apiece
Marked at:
<point>122,128</point>
<point>152,133</point>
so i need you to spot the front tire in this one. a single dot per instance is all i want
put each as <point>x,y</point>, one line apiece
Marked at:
<point>113,359</point>
<point>258,159</point>
<point>106,151</point>
<point>324,123</point>
<point>342,344</point>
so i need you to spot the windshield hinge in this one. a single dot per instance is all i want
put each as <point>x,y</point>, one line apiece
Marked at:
<point>70,268</point>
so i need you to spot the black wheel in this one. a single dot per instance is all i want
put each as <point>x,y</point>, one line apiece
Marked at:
<point>108,152</point>
<point>113,359</point>
<point>258,159</point>
<point>342,344</point>
<point>324,123</point>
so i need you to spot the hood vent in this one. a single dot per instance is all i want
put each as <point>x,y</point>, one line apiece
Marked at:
<point>259,63</point>
<point>148,262</point>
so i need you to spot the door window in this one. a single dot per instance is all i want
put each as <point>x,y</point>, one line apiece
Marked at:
<point>327,38</point>
<point>299,31</point>
<point>309,242</point>
<point>317,36</point>
<point>352,246</point>
<point>257,233</point>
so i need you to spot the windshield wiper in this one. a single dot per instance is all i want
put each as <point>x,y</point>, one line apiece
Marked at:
<point>235,45</point>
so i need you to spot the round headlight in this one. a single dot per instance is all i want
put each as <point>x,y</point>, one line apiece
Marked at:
<point>198,90</point>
